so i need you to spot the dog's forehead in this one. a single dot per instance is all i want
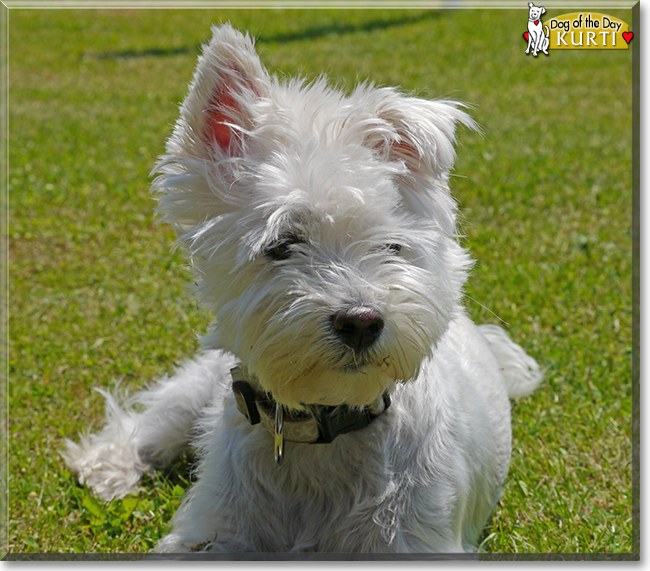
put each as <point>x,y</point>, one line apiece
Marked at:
<point>322,202</point>
<point>326,185</point>
<point>297,115</point>
<point>317,148</point>
<point>346,212</point>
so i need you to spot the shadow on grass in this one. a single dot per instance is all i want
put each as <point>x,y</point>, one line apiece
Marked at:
<point>310,33</point>
<point>340,29</point>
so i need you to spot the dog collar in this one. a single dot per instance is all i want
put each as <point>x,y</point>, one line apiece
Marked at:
<point>320,424</point>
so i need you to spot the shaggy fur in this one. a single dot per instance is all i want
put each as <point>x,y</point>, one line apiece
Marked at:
<point>323,237</point>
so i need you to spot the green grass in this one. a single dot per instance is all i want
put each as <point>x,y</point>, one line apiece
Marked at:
<point>96,295</point>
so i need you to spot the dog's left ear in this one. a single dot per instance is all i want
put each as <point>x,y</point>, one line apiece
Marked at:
<point>422,136</point>
<point>425,133</point>
<point>543,10</point>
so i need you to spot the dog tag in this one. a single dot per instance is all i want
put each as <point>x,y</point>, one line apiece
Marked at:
<point>279,438</point>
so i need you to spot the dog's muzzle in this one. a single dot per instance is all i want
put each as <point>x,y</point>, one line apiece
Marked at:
<point>320,424</point>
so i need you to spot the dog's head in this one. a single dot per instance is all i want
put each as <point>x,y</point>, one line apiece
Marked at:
<point>535,12</point>
<point>320,225</point>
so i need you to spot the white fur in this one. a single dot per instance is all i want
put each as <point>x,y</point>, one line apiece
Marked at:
<point>257,166</point>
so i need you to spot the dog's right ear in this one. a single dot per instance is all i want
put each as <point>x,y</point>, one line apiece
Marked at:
<point>216,113</point>
<point>195,174</point>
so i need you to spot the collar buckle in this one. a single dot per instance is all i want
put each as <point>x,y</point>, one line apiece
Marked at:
<point>335,420</point>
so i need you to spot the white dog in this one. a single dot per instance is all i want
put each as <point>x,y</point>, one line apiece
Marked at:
<point>536,38</point>
<point>345,402</point>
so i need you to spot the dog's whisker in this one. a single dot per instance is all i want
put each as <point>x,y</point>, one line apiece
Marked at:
<point>487,309</point>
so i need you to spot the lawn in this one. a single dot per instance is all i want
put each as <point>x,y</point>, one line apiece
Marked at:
<point>96,295</point>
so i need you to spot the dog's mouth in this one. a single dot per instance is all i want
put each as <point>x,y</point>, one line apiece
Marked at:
<point>351,381</point>
<point>351,361</point>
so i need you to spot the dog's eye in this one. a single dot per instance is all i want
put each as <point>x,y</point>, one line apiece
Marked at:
<point>280,250</point>
<point>394,248</point>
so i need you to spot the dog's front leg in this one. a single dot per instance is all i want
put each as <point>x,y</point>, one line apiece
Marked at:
<point>530,43</point>
<point>538,42</point>
<point>148,431</point>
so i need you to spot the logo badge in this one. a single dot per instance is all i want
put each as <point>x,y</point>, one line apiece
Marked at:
<point>578,31</point>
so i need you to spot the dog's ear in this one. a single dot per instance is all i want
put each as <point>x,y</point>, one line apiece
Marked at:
<point>531,5</point>
<point>542,10</point>
<point>196,172</point>
<point>216,113</point>
<point>422,137</point>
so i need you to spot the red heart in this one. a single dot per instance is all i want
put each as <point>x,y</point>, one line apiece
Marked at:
<point>627,36</point>
<point>536,22</point>
<point>526,36</point>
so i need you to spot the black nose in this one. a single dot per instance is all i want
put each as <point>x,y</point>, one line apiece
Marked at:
<point>358,328</point>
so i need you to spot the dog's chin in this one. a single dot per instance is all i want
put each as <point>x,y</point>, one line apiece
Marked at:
<point>351,385</point>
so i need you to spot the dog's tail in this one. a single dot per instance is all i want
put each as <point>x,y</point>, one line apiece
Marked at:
<point>521,372</point>
<point>108,462</point>
<point>548,33</point>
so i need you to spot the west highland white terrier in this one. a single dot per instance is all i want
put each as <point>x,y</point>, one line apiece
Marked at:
<point>344,401</point>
